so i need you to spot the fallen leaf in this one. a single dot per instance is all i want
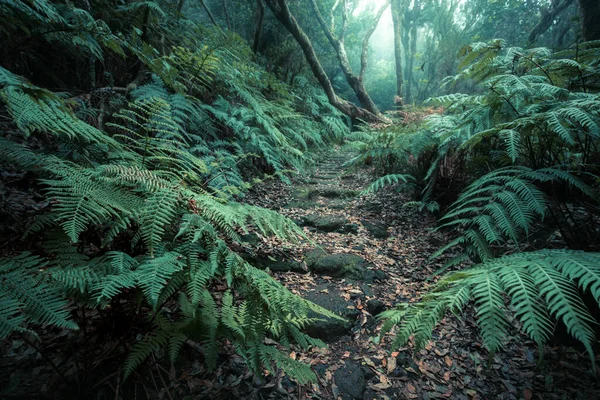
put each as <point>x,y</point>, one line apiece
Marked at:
<point>381,386</point>
<point>369,362</point>
<point>391,364</point>
<point>448,361</point>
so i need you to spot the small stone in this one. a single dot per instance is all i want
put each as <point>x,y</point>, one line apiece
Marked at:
<point>350,380</point>
<point>375,307</point>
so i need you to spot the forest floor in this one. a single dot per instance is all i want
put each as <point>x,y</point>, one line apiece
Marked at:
<point>364,254</point>
<point>387,247</point>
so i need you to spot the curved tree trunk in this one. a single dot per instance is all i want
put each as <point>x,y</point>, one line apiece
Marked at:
<point>590,19</point>
<point>281,11</point>
<point>354,81</point>
<point>548,17</point>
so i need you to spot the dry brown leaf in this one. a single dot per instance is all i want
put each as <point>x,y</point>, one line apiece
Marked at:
<point>448,361</point>
<point>391,364</point>
<point>369,362</point>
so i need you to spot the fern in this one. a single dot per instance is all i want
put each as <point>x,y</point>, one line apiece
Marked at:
<point>26,297</point>
<point>501,206</point>
<point>541,285</point>
<point>385,181</point>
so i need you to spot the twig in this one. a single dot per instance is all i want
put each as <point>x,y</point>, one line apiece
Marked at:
<point>45,357</point>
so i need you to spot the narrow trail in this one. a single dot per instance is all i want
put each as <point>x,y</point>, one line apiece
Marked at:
<point>372,253</point>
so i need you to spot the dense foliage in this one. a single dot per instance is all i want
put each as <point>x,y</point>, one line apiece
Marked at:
<point>522,148</point>
<point>131,133</point>
<point>131,189</point>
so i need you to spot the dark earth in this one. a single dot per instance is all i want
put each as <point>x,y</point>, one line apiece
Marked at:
<point>364,255</point>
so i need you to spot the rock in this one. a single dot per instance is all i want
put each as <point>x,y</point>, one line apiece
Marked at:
<point>250,239</point>
<point>341,265</point>
<point>301,193</point>
<point>373,275</point>
<point>338,205</point>
<point>371,207</point>
<point>329,223</point>
<point>303,204</point>
<point>320,369</point>
<point>329,329</point>
<point>350,380</point>
<point>276,264</point>
<point>375,307</point>
<point>377,230</point>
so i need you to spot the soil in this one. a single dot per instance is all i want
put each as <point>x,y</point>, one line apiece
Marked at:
<point>363,255</point>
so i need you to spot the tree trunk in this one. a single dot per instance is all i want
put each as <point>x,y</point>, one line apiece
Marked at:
<point>590,19</point>
<point>398,8</point>
<point>548,17</point>
<point>210,15</point>
<point>281,11</point>
<point>226,12</point>
<point>365,44</point>
<point>411,60</point>
<point>354,81</point>
<point>260,16</point>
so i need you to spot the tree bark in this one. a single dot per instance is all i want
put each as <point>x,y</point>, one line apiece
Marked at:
<point>590,19</point>
<point>548,17</point>
<point>260,17</point>
<point>210,15</point>
<point>280,9</point>
<point>226,12</point>
<point>398,8</point>
<point>413,50</point>
<point>337,43</point>
<point>365,44</point>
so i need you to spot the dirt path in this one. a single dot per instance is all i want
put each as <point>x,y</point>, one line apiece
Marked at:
<point>371,254</point>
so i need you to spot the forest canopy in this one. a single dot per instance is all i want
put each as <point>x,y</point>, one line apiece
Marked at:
<point>226,198</point>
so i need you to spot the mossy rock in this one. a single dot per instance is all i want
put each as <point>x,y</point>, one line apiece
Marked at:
<point>275,264</point>
<point>329,329</point>
<point>329,223</point>
<point>341,265</point>
<point>303,204</point>
<point>377,230</point>
<point>302,193</point>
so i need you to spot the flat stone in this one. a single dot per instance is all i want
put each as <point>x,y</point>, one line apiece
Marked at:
<point>276,264</point>
<point>341,265</point>
<point>329,329</point>
<point>375,307</point>
<point>329,223</point>
<point>371,207</point>
<point>350,380</point>
<point>303,204</point>
<point>377,230</point>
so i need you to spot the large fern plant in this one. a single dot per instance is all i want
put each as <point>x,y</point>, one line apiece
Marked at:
<point>541,287</point>
<point>140,197</point>
<point>529,134</point>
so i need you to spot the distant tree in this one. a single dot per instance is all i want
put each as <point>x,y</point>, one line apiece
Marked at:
<point>337,42</point>
<point>280,9</point>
